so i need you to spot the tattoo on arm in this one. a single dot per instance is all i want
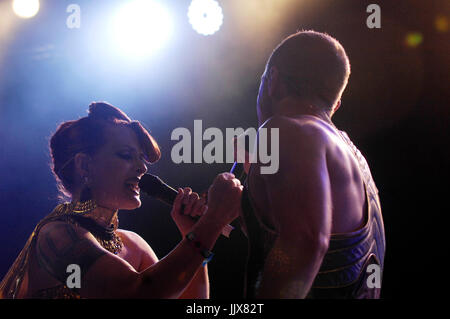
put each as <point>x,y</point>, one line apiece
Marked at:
<point>61,246</point>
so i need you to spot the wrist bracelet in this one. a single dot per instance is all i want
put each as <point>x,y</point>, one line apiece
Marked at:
<point>207,254</point>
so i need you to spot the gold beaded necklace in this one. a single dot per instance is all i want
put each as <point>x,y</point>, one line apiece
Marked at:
<point>107,237</point>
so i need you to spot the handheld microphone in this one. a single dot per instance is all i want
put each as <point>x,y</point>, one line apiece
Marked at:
<point>239,171</point>
<point>243,153</point>
<point>155,187</point>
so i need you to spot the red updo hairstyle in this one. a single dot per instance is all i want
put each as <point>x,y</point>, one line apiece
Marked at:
<point>87,135</point>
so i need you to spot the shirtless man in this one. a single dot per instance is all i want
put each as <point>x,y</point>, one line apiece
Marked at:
<point>315,226</point>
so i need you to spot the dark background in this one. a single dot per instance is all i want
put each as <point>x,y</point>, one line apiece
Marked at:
<point>395,108</point>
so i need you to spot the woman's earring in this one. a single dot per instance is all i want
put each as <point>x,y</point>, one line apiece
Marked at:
<point>86,203</point>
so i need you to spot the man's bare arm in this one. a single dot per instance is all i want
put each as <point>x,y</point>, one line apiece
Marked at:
<point>300,206</point>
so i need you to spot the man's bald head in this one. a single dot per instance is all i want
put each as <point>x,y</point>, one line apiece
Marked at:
<point>312,65</point>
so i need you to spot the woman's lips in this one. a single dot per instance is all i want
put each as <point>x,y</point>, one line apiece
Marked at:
<point>134,188</point>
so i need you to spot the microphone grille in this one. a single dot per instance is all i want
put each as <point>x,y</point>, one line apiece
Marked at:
<point>152,184</point>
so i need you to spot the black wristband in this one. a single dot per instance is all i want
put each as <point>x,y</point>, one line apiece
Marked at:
<point>207,254</point>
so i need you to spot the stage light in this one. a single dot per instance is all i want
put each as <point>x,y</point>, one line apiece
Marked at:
<point>205,16</point>
<point>413,39</point>
<point>441,24</point>
<point>25,8</point>
<point>141,27</point>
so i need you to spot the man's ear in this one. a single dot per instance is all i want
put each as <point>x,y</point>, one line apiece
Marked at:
<point>337,106</point>
<point>82,163</point>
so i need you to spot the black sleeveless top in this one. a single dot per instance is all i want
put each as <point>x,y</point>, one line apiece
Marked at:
<point>344,271</point>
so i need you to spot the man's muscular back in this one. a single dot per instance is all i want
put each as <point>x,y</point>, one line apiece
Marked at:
<point>345,180</point>
<point>317,193</point>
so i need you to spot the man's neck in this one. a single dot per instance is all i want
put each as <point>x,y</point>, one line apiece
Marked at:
<point>292,107</point>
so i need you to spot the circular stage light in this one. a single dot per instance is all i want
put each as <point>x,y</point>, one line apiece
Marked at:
<point>413,39</point>
<point>141,27</point>
<point>441,24</point>
<point>205,16</point>
<point>25,8</point>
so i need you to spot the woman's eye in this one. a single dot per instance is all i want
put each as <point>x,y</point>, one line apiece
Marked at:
<point>125,156</point>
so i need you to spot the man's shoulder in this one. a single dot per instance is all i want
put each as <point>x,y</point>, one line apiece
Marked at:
<point>298,130</point>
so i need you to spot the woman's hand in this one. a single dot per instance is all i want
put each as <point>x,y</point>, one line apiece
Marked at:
<point>224,198</point>
<point>224,203</point>
<point>187,206</point>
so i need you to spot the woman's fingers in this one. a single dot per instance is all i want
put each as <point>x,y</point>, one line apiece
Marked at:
<point>186,199</point>
<point>178,201</point>
<point>190,201</point>
<point>199,207</point>
<point>187,191</point>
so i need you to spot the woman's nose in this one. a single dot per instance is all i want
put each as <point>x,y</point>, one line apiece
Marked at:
<point>141,167</point>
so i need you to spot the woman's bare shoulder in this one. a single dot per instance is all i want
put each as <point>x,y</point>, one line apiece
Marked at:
<point>136,242</point>
<point>130,235</point>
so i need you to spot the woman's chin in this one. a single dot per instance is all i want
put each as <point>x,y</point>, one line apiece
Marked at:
<point>131,204</point>
<point>121,202</point>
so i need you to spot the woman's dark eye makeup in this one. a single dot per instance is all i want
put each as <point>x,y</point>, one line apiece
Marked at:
<point>129,156</point>
<point>125,156</point>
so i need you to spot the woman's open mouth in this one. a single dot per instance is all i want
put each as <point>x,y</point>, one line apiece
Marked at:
<point>133,187</point>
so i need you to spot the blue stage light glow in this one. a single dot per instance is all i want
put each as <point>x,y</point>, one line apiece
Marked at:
<point>25,8</point>
<point>141,27</point>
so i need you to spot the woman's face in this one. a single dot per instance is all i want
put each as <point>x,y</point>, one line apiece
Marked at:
<point>115,170</point>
